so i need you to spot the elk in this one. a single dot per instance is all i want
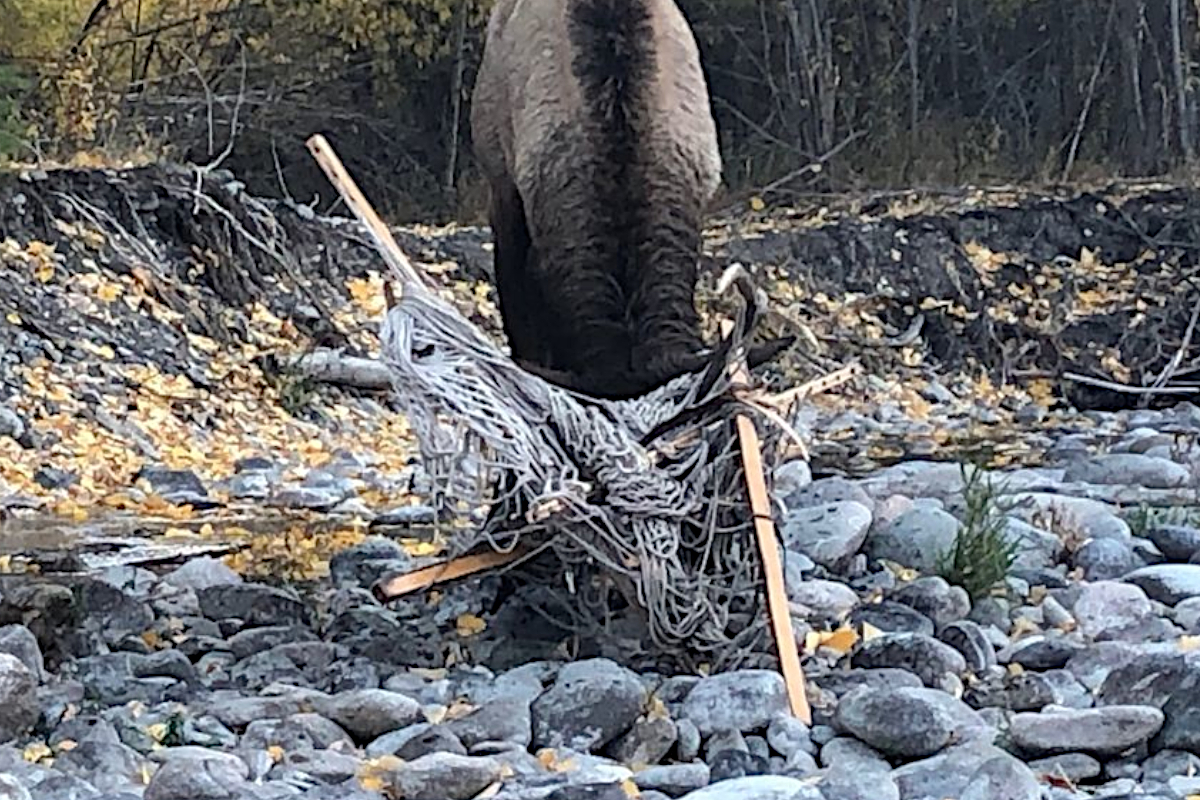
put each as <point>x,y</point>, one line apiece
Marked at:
<point>592,124</point>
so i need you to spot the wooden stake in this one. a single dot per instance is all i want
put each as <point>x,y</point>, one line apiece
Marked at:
<point>764,527</point>
<point>417,580</point>
<point>348,189</point>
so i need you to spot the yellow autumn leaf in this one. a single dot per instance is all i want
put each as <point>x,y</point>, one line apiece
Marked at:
<point>13,318</point>
<point>469,625</point>
<point>108,292</point>
<point>550,761</point>
<point>276,753</point>
<point>757,204</point>
<point>157,731</point>
<point>840,640</point>
<point>36,751</point>
<point>44,273</point>
<point>630,788</point>
<point>419,547</point>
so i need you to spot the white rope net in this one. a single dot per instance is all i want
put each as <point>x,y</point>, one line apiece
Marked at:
<point>649,493</point>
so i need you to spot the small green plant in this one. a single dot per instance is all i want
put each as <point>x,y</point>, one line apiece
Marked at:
<point>1145,517</point>
<point>12,131</point>
<point>983,553</point>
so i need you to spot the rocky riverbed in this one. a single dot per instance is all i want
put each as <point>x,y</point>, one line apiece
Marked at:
<point>1079,676</point>
<point>189,523</point>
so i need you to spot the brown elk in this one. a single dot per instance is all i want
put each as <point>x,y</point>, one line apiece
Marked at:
<point>592,123</point>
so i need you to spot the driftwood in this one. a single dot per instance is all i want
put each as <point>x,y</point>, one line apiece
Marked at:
<point>333,366</point>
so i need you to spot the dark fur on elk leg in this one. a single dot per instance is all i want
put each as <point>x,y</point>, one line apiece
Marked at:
<point>523,311</point>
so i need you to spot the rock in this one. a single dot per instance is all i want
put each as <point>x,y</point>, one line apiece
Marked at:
<point>502,720</point>
<point>946,774</point>
<point>843,782</point>
<point>179,486</point>
<point>306,731</point>
<point>915,539</point>
<point>109,766</point>
<point>726,765</point>
<point>1168,583</point>
<point>1177,542</point>
<point>826,491</point>
<point>313,498</point>
<point>1075,767</point>
<point>647,742</point>
<point>366,562</point>
<point>19,642</point>
<point>1040,652</point>
<point>892,617</point>
<point>757,787</point>
<point>250,486</point>
<point>1002,778</point>
<point>969,639</point>
<point>924,656</point>
<point>255,640</point>
<point>590,704</point>
<point>1181,730</point>
<point>415,741</point>
<point>443,776</point>
<point>11,424</point>
<point>54,478</point>
<point>1100,731</point>
<point>202,573</point>
<point>308,664</point>
<point>1128,469</point>
<point>1035,547</point>
<point>674,779</point>
<point>367,714</point>
<point>405,517</point>
<point>826,599</point>
<point>193,773</point>
<point>236,711</point>
<point>843,682</point>
<point>1167,764</point>
<point>788,735</point>
<point>725,740</point>
<point>18,699</point>
<point>687,742</point>
<point>253,603</point>
<point>907,723</point>
<point>1108,605</point>
<point>741,700</point>
<point>828,534</point>
<point>936,599</point>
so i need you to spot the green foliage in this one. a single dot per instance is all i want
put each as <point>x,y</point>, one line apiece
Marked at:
<point>1146,517</point>
<point>982,554</point>
<point>13,86</point>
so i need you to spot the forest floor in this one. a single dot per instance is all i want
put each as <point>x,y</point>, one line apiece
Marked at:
<point>153,418</point>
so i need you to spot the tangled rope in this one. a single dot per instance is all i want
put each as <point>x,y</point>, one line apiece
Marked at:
<point>649,492</point>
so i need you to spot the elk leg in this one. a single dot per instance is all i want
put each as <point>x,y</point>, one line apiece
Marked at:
<point>519,297</point>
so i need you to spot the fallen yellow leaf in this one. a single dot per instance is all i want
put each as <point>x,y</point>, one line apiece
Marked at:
<point>469,625</point>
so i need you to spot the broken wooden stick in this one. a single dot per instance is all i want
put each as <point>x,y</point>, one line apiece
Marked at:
<point>348,189</point>
<point>768,547</point>
<point>396,586</point>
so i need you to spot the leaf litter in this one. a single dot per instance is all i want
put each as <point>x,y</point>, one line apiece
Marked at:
<point>144,323</point>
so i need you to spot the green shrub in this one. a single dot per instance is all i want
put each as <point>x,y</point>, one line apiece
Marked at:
<point>13,86</point>
<point>983,553</point>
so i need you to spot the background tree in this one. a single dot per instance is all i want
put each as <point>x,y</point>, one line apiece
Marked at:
<point>810,95</point>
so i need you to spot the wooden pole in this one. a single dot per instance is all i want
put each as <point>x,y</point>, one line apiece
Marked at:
<point>768,547</point>
<point>348,189</point>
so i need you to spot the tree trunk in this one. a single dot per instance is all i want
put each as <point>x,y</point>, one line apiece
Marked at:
<point>1180,68</point>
